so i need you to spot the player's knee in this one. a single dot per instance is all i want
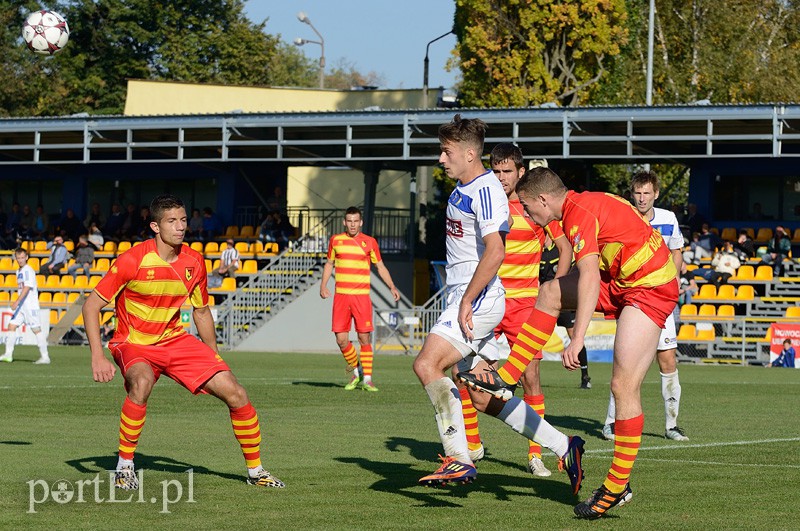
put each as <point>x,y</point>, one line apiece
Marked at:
<point>549,298</point>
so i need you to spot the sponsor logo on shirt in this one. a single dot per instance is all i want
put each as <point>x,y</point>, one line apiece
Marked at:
<point>454,228</point>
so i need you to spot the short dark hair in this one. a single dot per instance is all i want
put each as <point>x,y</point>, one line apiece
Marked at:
<point>541,180</point>
<point>354,210</point>
<point>645,177</point>
<point>161,204</point>
<point>506,151</point>
<point>469,130</point>
<point>21,250</point>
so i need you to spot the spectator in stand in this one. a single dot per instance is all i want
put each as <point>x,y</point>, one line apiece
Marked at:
<point>71,225</point>
<point>786,357</point>
<point>113,227</point>
<point>779,248</point>
<point>688,286</point>
<point>57,259</point>
<point>130,227</point>
<point>277,201</point>
<point>745,246</point>
<point>84,258</point>
<point>95,237</point>
<point>267,229</point>
<point>41,223</point>
<point>703,245</point>
<point>694,219</point>
<point>145,232</point>
<point>725,264</point>
<point>95,215</point>
<point>228,261</point>
<point>758,213</point>
<point>26,223</point>
<point>212,227</point>
<point>195,228</point>
<point>12,225</point>
<point>284,231</point>
<point>4,242</point>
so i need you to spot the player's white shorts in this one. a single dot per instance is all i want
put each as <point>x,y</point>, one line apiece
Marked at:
<point>488,309</point>
<point>668,339</point>
<point>27,315</point>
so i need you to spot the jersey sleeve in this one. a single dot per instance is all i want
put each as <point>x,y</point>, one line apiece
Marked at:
<point>119,274</point>
<point>491,210</point>
<point>198,297</point>
<point>582,229</point>
<point>675,240</point>
<point>554,230</point>
<point>375,252</point>
<point>28,278</point>
<point>331,249</point>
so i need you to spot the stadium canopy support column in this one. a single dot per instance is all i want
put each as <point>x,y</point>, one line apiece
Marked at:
<point>371,174</point>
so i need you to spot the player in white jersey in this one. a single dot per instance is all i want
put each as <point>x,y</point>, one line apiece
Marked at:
<point>477,221</point>
<point>26,310</point>
<point>645,189</point>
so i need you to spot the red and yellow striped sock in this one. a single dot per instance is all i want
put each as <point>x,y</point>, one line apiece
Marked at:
<point>530,341</point>
<point>248,432</point>
<point>131,422</point>
<point>627,439</point>
<point>350,355</point>
<point>366,359</point>
<point>470,420</point>
<point>537,404</point>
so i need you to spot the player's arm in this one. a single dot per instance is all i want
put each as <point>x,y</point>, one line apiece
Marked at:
<point>564,256</point>
<point>588,292</point>
<point>383,272</point>
<point>327,271</point>
<point>102,369</point>
<point>486,270</point>
<point>677,258</point>
<point>24,293</point>
<point>204,321</point>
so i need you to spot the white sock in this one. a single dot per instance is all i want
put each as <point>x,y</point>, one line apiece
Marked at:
<point>124,462</point>
<point>255,471</point>
<point>525,420</point>
<point>11,341</point>
<point>671,391</point>
<point>367,378</point>
<point>42,342</point>
<point>612,410</point>
<point>449,418</point>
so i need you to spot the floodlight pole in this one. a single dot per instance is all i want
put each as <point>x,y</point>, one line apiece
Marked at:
<point>302,17</point>
<point>426,63</point>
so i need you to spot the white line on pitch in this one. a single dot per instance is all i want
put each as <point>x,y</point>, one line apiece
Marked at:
<point>693,462</point>
<point>705,445</point>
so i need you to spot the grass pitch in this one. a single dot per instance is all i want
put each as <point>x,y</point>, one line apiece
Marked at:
<point>352,459</point>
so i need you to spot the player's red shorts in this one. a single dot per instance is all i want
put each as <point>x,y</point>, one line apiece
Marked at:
<point>656,302</point>
<point>517,312</point>
<point>357,308</point>
<point>185,359</point>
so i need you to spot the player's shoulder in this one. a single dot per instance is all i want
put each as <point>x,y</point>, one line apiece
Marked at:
<point>192,254</point>
<point>664,216</point>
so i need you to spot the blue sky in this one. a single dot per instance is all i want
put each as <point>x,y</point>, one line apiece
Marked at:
<point>386,37</point>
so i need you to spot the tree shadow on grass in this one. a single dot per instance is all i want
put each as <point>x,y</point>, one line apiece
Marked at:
<point>402,479</point>
<point>91,465</point>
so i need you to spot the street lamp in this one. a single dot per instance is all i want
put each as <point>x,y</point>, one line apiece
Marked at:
<point>425,70</point>
<point>300,42</point>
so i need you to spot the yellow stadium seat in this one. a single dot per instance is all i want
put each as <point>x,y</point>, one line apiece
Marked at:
<point>211,249</point>
<point>72,297</point>
<point>691,267</point>
<point>726,291</point>
<point>228,284</point>
<point>707,310</point>
<point>763,235</point>
<point>59,298</point>
<point>707,291</point>
<point>257,248</point>
<point>270,248</point>
<point>244,250</point>
<point>10,281</point>
<point>232,231</point>
<point>750,232</point>
<point>215,264</point>
<point>689,310</point>
<point>211,301</point>
<point>94,280</point>
<point>70,245</point>
<point>796,235</point>
<point>14,296</point>
<point>247,231</point>
<point>745,293</point>
<point>5,296</point>
<point>726,311</point>
<point>66,282</point>
<point>53,282</point>
<point>34,263</point>
<point>197,246</point>
<point>41,280</point>
<point>249,266</point>
<point>729,234</point>
<point>102,264</point>
<point>110,247</point>
<point>40,247</point>
<point>793,312</point>
<point>764,272</point>
<point>78,321</point>
<point>706,335</point>
<point>745,272</point>
<point>54,318</point>
<point>27,245</point>
<point>45,298</point>
<point>122,247</point>
<point>687,332</point>
<point>208,265</point>
<point>7,264</point>
<point>82,282</point>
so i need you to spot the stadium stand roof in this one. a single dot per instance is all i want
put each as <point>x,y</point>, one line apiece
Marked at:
<point>407,137</point>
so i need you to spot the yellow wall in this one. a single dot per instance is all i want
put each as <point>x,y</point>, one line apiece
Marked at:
<point>334,188</point>
<point>169,98</point>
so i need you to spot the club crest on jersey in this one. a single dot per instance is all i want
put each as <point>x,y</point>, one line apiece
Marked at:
<point>189,272</point>
<point>454,228</point>
<point>151,274</point>
<point>577,242</point>
<point>363,244</point>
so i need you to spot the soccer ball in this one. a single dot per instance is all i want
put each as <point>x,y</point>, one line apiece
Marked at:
<point>45,32</point>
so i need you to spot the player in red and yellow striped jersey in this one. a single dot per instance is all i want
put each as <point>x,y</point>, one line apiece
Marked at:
<point>352,253</point>
<point>624,269</point>
<point>148,284</point>
<point>519,274</point>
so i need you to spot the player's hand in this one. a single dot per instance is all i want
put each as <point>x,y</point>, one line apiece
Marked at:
<point>569,357</point>
<point>324,292</point>
<point>465,318</point>
<point>395,294</point>
<point>103,370</point>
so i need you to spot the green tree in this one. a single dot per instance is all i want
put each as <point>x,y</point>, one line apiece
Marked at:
<point>528,52</point>
<point>344,76</point>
